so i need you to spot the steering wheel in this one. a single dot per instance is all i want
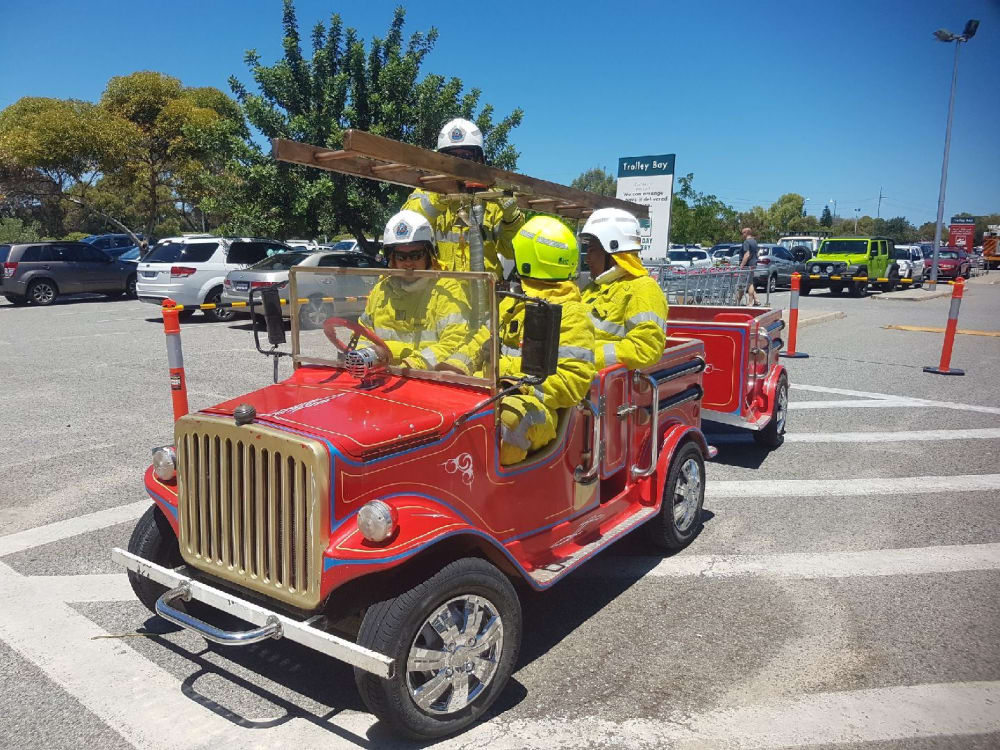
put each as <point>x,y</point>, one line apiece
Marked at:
<point>330,329</point>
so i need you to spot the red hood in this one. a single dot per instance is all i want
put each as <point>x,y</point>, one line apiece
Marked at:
<point>363,423</point>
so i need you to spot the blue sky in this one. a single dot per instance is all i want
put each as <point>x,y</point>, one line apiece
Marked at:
<point>832,100</point>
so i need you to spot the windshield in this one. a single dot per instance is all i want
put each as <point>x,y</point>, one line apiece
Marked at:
<point>175,252</point>
<point>901,253</point>
<point>435,325</point>
<point>679,255</point>
<point>844,247</point>
<point>131,253</point>
<point>344,245</point>
<point>947,254</point>
<point>280,262</point>
<point>789,243</point>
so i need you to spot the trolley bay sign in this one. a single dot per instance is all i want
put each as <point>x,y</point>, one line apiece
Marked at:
<point>649,180</point>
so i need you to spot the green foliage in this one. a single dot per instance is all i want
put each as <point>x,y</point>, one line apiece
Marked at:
<point>596,180</point>
<point>698,217</point>
<point>344,84</point>
<point>15,230</point>
<point>826,220</point>
<point>75,236</point>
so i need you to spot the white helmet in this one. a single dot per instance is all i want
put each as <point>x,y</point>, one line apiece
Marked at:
<point>459,133</point>
<point>617,230</point>
<point>406,227</point>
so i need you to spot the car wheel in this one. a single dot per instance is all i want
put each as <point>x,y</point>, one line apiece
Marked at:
<point>223,315</point>
<point>773,435</point>
<point>130,288</point>
<point>836,288</point>
<point>804,289</point>
<point>42,292</point>
<point>153,540</point>
<point>314,312</point>
<point>856,289</point>
<point>16,300</point>
<point>772,283</point>
<point>679,519</point>
<point>454,639</point>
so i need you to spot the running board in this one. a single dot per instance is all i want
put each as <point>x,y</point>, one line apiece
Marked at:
<point>548,574</point>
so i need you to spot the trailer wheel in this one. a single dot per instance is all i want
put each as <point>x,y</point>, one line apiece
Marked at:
<point>773,435</point>
<point>153,540</point>
<point>454,639</point>
<point>679,519</point>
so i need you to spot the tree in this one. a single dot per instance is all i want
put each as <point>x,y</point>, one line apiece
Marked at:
<point>343,85</point>
<point>786,214</point>
<point>926,231</point>
<point>826,220</point>
<point>596,180</point>
<point>15,230</point>
<point>697,217</point>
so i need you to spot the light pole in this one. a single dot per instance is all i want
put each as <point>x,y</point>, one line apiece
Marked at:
<point>857,213</point>
<point>943,35</point>
<point>834,202</point>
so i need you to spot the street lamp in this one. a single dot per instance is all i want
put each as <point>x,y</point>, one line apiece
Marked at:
<point>857,213</point>
<point>943,35</point>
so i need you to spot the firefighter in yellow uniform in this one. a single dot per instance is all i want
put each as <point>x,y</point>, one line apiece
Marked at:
<point>547,256</point>
<point>422,321</point>
<point>501,218</point>
<point>627,306</point>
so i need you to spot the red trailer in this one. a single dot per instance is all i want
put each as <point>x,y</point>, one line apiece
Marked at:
<point>745,385</point>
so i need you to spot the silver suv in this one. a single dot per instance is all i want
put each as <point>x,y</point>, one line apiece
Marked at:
<point>191,270</point>
<point>39,272</point>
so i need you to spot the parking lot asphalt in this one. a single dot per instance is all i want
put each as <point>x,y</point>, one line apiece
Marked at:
<point>844,590</point>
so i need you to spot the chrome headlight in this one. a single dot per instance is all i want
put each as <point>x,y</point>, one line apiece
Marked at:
<point>165,462</point>
<point>377,521</point>
<point>815,269</point>
<point>829,269</point>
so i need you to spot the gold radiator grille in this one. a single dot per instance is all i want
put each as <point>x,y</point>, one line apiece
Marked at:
<point>253,506</point>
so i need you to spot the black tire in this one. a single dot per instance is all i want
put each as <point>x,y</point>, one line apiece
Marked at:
<point>772,283</point>
<point>665,530</point>
<point>153,540</point>
<point>892,283</point>
<point>804,289</point>
<point>393,626</point>
<point>773,435</point>
<point>856,289</point>
<point>16,300</point>
<point>42,292</point>
<point>214,297</point>
<point>129,290</point>
<point>836,288</point>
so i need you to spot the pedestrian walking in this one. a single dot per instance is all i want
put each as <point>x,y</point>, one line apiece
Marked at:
<point>749,262</point>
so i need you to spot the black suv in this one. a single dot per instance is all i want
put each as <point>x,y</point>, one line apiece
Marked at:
<point>38,272</point>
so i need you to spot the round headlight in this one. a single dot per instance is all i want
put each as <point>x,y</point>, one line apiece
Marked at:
<point>829,269</point>
<point>377,521</point>
<point>165,463</point>
<point>815,269</point>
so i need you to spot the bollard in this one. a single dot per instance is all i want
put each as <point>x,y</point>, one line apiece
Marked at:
<point>175,358</point>
<point>944,367</point>
<point>793,320</point>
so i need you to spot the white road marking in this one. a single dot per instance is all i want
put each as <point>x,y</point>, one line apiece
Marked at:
<point>900,436</point>
<point>53,532</point>
<point>889,397</point>
<point>755,489</point>
<point>856,404</point>
<point>956,558</point>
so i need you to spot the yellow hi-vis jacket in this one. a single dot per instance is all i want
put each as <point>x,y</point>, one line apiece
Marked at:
<point>423,322</point>
<point>629,314</point>
<point>452,233</point>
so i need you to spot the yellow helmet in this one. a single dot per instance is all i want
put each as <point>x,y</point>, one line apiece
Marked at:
<point>546,249</point>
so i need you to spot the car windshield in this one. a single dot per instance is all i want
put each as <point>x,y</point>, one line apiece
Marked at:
<point>901,253</point>
<point>117,252</point>
<point>947,254</point>
<point>679,255</point>
<point>434,323</point>
<point>181,252</point>
<point>344,245</point>
<point>131,253</point>
<point>280,262</point>
<point>844,247</point>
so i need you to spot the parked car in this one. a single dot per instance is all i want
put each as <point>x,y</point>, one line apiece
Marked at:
<point>952,263</point>
<point>910,260</point>
<point>808,241</point>
<point>191,270</point>
<point>725,253</point>
<point>304,245</point>
<point>113,244</point>
<point>853,263</point>
<point>977,261</point>
<point>688,259</point>
<point>40,272</point>
<point>776,264</point>
<point>274,270</point>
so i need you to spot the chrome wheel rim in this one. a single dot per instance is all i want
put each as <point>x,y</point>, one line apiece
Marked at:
<point>42,293</point>
<point>782,409</point>
<point>687,495</point>
<point>312,314</point>
<point>455,655</point>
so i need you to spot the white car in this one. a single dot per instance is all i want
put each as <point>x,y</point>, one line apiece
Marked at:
<point>689,259</point>
<point>191,270</point>
<point>910,260</point>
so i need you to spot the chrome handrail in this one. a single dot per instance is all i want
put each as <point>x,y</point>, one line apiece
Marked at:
<point>654,425</point>
<point>209,632</point>
<point>596,444</point>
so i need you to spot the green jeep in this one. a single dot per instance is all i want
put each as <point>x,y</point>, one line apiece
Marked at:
<point>852,263</point>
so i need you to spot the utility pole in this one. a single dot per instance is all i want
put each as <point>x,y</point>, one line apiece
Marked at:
<point>857,213</point>
<point>878,210</point>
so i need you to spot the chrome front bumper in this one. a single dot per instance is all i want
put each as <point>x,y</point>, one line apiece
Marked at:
<point>269,624</point>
